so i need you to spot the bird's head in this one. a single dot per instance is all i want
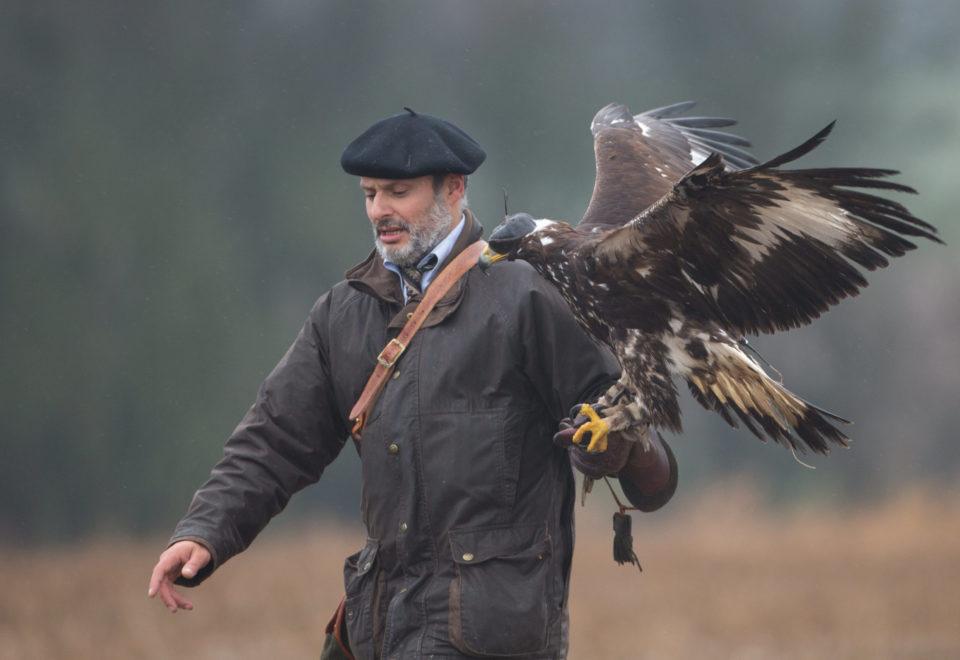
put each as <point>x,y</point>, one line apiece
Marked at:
<point>506,238</point>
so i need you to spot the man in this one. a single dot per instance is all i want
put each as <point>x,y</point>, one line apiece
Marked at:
<point>466,500</point>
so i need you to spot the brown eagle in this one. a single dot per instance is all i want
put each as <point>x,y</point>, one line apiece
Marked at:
<point>689,244</point>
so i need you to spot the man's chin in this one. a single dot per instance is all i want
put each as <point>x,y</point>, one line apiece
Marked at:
<point>394,252</point>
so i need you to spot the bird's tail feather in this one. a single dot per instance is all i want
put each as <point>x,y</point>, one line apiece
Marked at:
<point>734,386</point>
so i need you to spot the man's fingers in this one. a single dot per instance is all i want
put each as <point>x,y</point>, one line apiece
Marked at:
<point>157,577</point>
<point>181,602</point>
<point>198,559</point>
<point>166,595</point>
<point>154,583</point>
<point>191,567</point>
<point>178,601</point>
<point>564,437</point>
<point>166,568</point>
<point>172,599</point>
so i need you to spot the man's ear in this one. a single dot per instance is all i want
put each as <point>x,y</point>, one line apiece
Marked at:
<point>455,187</point>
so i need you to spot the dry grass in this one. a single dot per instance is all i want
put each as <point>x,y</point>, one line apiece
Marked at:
<point>723,578</point>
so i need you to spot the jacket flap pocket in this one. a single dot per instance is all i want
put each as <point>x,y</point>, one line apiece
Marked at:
<point>475,546</point>
<point>367,557</point>
<point>502,599</point>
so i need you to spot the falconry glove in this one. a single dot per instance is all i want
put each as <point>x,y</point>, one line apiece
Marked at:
<point>594,465</point>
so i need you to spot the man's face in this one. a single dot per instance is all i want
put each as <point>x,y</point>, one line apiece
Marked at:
<point>408,218</point>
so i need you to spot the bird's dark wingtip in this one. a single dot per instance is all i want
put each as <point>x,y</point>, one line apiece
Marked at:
<point>801,150</point>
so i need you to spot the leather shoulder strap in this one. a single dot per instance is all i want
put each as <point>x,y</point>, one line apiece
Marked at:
<point>462,263</point>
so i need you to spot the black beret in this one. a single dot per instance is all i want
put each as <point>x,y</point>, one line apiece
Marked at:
<point>409,145</point>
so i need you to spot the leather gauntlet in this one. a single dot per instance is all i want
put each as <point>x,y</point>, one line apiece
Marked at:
<point>638,456</point>
<point>608,463</point>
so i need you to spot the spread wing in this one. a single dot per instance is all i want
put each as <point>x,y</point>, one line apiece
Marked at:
<point>764,249</point>
<point>639,158</point>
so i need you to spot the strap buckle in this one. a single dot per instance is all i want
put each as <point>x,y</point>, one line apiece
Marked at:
<point>388,360</point>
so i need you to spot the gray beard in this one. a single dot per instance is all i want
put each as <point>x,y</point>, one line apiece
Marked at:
<point>423,238</point>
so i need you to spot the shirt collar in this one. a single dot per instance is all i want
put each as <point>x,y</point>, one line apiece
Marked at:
<point>437,256</point>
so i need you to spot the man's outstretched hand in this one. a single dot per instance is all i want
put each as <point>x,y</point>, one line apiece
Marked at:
<point>184,558</point>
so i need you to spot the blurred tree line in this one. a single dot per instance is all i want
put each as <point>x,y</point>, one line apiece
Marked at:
<point>171,205</point>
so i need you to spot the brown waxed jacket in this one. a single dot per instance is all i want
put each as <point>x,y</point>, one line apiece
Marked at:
<point>467,503</point>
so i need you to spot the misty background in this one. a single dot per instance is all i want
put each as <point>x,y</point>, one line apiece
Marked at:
<point>171,204</point>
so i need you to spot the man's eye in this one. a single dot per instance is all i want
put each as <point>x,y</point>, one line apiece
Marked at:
<point>399,193</point>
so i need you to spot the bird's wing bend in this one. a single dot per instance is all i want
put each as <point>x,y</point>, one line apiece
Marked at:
<point>640,157</point>
<point>766,249</point>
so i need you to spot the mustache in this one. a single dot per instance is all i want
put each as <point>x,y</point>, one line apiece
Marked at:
<point>391,223</point>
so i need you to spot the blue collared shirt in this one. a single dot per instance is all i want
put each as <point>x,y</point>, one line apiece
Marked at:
<point>441,252</point>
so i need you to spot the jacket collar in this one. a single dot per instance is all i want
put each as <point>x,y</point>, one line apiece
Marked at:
<point>370,276</point>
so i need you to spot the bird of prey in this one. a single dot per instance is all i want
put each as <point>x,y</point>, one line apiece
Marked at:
<point>689,244</point>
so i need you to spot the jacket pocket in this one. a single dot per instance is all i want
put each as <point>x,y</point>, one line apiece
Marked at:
<point>359,572</point>
<point>500,595</point>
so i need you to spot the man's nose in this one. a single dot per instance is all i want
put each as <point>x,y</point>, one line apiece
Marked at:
<point>379,208</point>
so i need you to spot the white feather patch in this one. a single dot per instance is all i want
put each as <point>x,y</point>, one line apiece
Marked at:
<point>697,155</point>
<point>804,213</point>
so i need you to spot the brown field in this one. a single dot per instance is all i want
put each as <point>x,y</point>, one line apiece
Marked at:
<point>723,578</point>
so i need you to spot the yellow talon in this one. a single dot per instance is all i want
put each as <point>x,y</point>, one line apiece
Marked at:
<point>596,427</point>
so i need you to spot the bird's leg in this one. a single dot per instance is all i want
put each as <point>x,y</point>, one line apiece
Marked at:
<point>604,416</point>
<point>596,427</point>
<point>612,396</point>
<point>627,414</point>
<point>605,419</point>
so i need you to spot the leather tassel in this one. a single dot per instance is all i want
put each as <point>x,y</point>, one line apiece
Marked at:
<point>585,489</point>
<point>623,540</point>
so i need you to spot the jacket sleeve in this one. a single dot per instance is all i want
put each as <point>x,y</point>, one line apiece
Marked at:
<point>289,435</point>
<point>563,362</point>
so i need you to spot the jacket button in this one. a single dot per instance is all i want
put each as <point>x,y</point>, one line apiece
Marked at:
<point>403,527</point>
<point>409,315</point>
<point>396,374</point>
<point>467,556</point>
<point>393,448</point>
